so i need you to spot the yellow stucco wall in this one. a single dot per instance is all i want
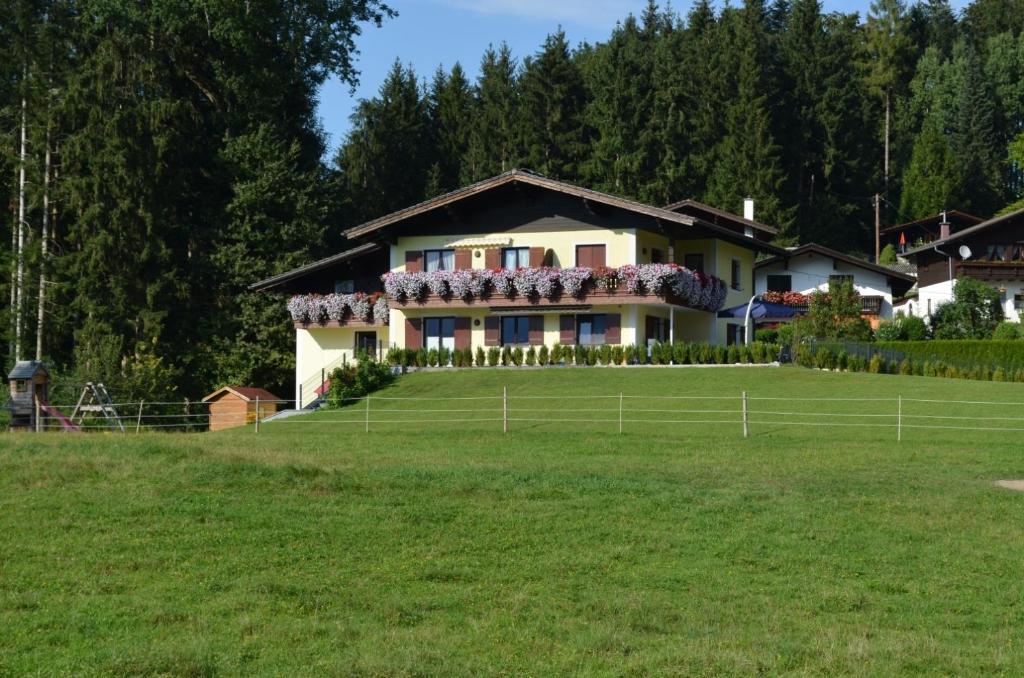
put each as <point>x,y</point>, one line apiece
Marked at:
<point>319,348</point>
<point>620,245</point>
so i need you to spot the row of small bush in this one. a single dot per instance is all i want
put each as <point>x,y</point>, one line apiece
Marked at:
<point>513,356</point>
<point>1008,354</point>
<point>826,358</point>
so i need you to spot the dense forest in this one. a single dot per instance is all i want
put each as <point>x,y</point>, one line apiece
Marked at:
<point>159,157</point>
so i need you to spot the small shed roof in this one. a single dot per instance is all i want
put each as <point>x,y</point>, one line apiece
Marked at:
<point>246,393</point>
<point>26,369</point>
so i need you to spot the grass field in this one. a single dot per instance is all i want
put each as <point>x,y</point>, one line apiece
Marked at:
<point>442,548</point>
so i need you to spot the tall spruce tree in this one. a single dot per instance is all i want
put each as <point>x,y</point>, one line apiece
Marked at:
<point>554,135</point>
<point>451,109</point>
<point>747,159</point>
<point>494,145</point>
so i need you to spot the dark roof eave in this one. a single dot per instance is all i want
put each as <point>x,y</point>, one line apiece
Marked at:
<point>959,235</point>
<point>828,252</point>
<point>299,272</point>
<point>722,213</point>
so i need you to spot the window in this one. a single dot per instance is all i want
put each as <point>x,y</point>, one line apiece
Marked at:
<point>344,286</point>
<point>1018,301</point>
<point>657,329</point>
<point>366,341</point>
<point>735,334</point>
<point>996,252</point>
<point>590,329</point>
<point>515,257</point>
<point>736,275</point>
<point>780,283</point>
<point>21,386</point>
<point>592,256</point>
<point>439,260</point>
<point>515,330</point>
<point>657,256</point>
<point>694,262</point>
<point>840,279</point>
<point>439,333</point>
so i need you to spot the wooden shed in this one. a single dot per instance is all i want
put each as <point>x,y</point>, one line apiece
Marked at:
<point>29,383</point>
<point>232,406</point>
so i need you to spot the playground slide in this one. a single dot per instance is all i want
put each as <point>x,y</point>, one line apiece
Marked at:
<point>65,423</point>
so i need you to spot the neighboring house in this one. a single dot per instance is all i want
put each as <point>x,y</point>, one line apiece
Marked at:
<point>811,267</point>
<point>520,220</point>
<point>991,251</point>
<point>923,231</point>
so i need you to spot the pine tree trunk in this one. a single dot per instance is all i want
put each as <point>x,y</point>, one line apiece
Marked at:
<point>19,285</point>
<point>44,252</point>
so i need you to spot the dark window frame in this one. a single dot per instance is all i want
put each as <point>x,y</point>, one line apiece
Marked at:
<point>773,288</point>
<point>518,320</point>
<point>687,258</point>
<point>593,319</point>
<point>441,251</point>
<point>440,319</point>
<point>522,257</point>
<point>736,274</point>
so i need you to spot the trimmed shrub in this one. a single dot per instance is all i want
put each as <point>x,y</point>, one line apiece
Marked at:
<point>531,356</point>
<point>618,355</point>
<point>999,374</point>
<point>556,353</point>
<point>481,358</point>
<point>720,355</point>
<point>422,358</point>
<point>905,368</point>
<point>876,365</point>
<point>842,360</point>
<point>432,357</point>
<point>493,356</point>
<point>356,381</point>
<point>543,356</point>
<point>580,355</point>
<point>605,354</point>
<point>506,356</point>
<point>767,336</point>
<point>732,355</point>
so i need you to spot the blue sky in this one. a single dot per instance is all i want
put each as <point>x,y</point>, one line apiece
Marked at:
<point>431,32</point>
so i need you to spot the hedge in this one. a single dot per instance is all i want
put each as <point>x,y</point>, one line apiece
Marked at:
<point>963,353</point>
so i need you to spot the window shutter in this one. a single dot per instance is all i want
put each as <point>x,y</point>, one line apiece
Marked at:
<point>414,333</point>
<point>463,259</point>
<point>536,257</point>
<point>567,330</point>
<point>413,261</point>
<point>492,331</point>
<point>613,329</point>
<point>492,258</point>
<point>597,256</point>
<point>462,333</point>
<point>536,330</point>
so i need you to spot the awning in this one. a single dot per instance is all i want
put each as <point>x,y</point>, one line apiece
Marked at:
<point>761,310</point>
<point>479,243</point>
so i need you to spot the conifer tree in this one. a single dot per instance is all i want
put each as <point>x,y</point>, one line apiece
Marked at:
<point>493,145</point>
<point>451,110</point>
<point>552,129</point>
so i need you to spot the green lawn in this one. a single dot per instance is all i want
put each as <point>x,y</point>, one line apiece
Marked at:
<point>447,548</point>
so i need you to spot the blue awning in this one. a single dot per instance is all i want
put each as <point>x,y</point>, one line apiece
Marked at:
<point>762,309</point>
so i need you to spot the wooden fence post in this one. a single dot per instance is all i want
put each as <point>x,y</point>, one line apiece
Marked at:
<point>138,420</point>
<point>504,409</point>
<point>367,414</point>
<point>746,420</point>
<point>257,414</point>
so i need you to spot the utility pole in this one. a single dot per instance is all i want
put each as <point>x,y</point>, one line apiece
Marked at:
<point>878,227</point>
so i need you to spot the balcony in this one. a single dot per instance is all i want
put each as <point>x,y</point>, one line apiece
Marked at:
<point>991,270</point>
<point>338,310</point>
<point>555,289</point>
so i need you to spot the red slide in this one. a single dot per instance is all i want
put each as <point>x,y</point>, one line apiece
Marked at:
<point>65,423</point>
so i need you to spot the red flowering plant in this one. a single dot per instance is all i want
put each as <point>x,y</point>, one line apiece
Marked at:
<point>606,278</point>
<point>786,298</point>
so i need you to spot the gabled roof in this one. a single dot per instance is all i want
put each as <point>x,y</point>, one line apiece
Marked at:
<point>246,393</point>
<point>953,216</point>
<point>973,230</point>
<point>682,205</point>
<point>276,280</point>
<point>839,256</point>
<point>530,178</point>
<point>26,369</point>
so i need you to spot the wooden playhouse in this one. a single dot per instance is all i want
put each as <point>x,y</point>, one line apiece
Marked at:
<point>232,406</point>
<point>29,383</point>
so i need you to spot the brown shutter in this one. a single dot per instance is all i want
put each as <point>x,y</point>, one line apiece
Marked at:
<point>536,330</point>
<point>492,257</point>
<point>414,333</point>
<point>567,329</point>
<point>612,329</point>
<point>492,333</point>
<point>582,255</point>
<point>462,333</point>
<point>463,259</point>
<point>413,261</point>
<point>597,256</point>
<point>536,257</point>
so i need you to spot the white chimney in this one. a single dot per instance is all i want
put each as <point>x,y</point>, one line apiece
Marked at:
<point>748,214</point>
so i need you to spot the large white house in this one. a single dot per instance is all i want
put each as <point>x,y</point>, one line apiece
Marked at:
<point>811,267</point>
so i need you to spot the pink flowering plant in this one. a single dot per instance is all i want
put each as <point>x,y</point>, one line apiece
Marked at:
<point>380,310</point>
<point>360,306</point>
<point>336,305</point>
<point>695,289</point>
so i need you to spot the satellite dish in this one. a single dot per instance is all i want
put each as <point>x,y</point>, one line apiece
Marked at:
<point>965,252</point>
